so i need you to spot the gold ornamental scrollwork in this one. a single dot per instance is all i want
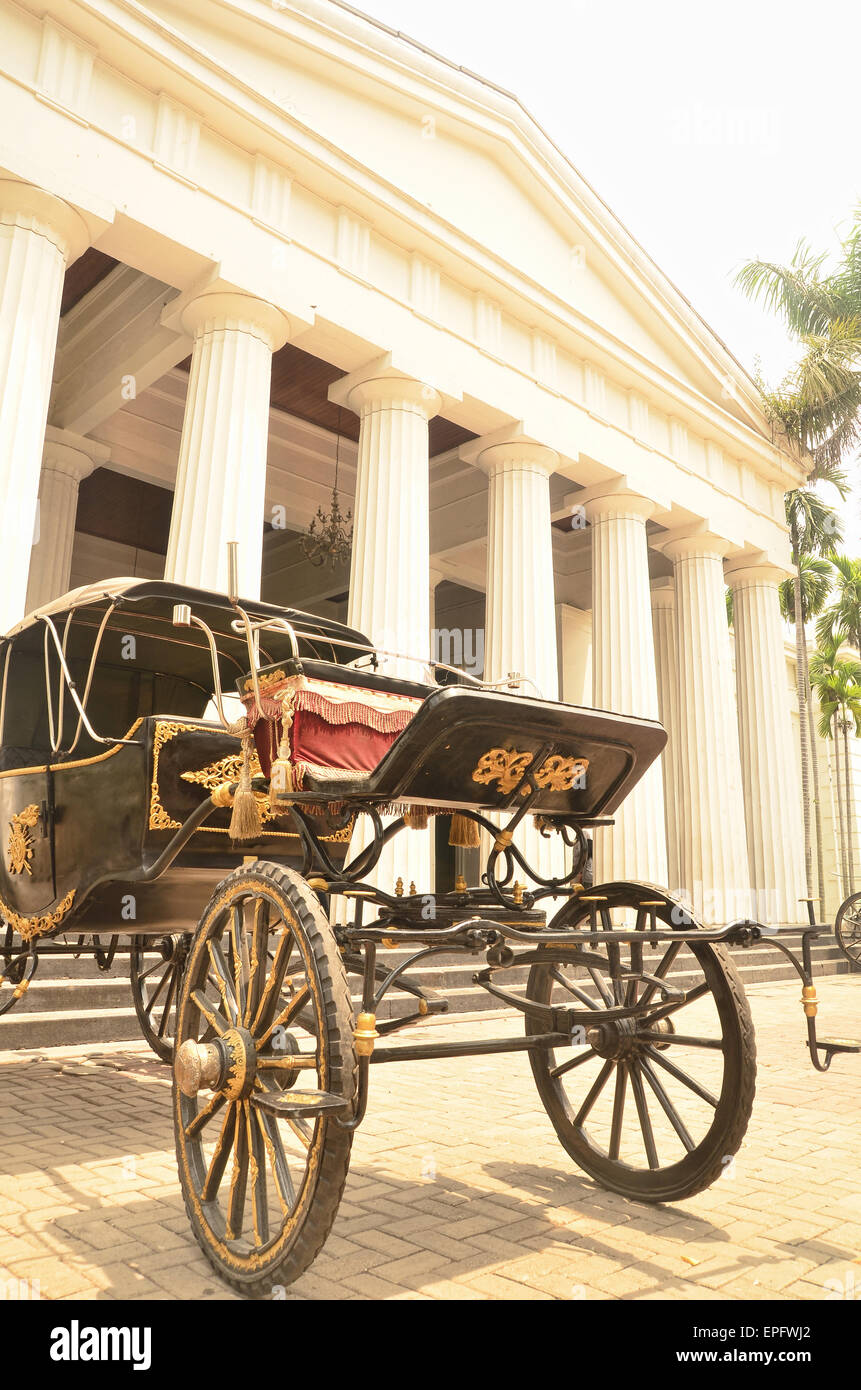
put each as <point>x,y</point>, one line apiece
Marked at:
<point>19,850</point>
<point>503,766</point>
<point>227,770</point>
<point>30,927</point>
<point>558,774</point>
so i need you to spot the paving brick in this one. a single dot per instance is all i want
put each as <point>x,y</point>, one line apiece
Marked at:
<point>89,1201</point>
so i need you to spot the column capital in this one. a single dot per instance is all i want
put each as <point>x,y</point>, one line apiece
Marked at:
<point>72,454</point>
<point>231,309</point>
<point>694,542</point>
<point>614,498</point>
<point>754,571</point>
<point>33,209</point>
<point>380,384</point>
<point>507,449</point>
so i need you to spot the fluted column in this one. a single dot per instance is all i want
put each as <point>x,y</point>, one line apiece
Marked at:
<point>39,236</point>
<point>67,459</point>
<point>713,848</point>
<point>772,801</point>
<point>221,474</point>
<point>389,572</point>
<point>624,679</point>
<point>666,666</point>
<point>521,607</point>
<point>520,616</point>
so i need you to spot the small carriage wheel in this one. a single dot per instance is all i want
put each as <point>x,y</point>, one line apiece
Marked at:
<point>156,988</point>
<point>265,978</point>
<point>847,929</point>
<point>653,1109</point>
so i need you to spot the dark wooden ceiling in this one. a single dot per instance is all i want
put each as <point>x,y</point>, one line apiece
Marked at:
<point>300,385</point>
<point>83,275</point>
<point>126,510</point>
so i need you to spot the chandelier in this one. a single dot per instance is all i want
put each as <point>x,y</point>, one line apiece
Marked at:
<point>329,538</point>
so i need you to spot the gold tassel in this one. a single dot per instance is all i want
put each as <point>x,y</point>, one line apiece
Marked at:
<point>245,823</point>
<point>416,817</point>
<point>464,832</point>
<point>281,779</point>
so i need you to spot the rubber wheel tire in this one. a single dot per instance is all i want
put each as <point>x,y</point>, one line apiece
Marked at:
<point>707,1162</point>
<point>320,1195</point>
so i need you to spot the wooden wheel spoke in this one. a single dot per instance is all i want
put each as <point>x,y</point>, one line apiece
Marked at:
<point>588,1054</point>
<point>241,965</point>
<point>238,1179</point>
<point>681,1039</point>
<point>174,981</point>
<point>286,1016</point>
<point>153,999</point>
<point>618,1109</point>
<point>272,988</point>
<point>223,982</point>
<point>594,1092</point>
<point>643,1116</point>
<point>268,1125</point>
<point>210,1011</point>
<point>202,1118</point>
<point>666,1105</point>
<point>600,986</point>
<point>682,1076</point>
<point>257,1164</point>
<point>691,996</point>
<point>660,972</point>
<point>150,970</point>
<point>302,1130</point>
<point>257,968</point>
<point>221,1153</point>
<point>580,994</point>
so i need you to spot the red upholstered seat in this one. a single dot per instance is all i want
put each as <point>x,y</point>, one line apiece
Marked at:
<point>338,726</point>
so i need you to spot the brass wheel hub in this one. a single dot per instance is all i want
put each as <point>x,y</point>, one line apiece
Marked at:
<point>228,1065</point>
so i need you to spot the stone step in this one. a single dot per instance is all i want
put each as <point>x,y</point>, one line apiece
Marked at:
<point>103,1011</point>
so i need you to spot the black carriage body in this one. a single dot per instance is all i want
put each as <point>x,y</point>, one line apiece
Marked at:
<point>84,824</point>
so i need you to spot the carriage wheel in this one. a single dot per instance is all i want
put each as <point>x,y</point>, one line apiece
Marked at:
<point>652,1109</point>
<point>265,979</point>
<point>156,988</point>
<point>847,929</point>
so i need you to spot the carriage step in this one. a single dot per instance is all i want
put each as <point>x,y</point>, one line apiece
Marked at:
<point>839,1044</point>
<point>293,1103</point>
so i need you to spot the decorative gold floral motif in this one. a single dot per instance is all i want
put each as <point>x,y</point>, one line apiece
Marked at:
<point>29,927</point>
<point>266,681</point>
<point>558,774</point>
<point>20,848</point>
<point>159,818</point>
<point>503,766</point>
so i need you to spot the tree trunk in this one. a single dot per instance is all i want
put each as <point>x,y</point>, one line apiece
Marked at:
<point>817,794</point>
<point>840,810</point>
<point>849,816</point>
<point>800,645</point>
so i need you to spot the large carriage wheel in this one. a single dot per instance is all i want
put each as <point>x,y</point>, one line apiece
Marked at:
<point>156,985</point>
<point>265,979</point>
<point>655,1109</point>
<point>847,929</point>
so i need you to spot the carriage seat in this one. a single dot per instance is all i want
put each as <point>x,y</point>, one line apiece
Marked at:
<point>344,720</point>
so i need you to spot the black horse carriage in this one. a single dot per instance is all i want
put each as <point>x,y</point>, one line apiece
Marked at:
<point>137,804</point>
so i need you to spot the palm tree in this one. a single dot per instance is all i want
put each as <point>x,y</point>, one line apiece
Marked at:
<point>814,530</point>
<point>818,404</point>
<point>841,621</point>
<point>837,682</point>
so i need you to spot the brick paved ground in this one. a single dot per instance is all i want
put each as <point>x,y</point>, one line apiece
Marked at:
<point>458,1187</point>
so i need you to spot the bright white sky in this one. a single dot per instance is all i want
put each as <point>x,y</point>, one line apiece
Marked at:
<point>715,133</point>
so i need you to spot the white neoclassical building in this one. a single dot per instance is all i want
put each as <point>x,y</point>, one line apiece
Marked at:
<point>242,241</point>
